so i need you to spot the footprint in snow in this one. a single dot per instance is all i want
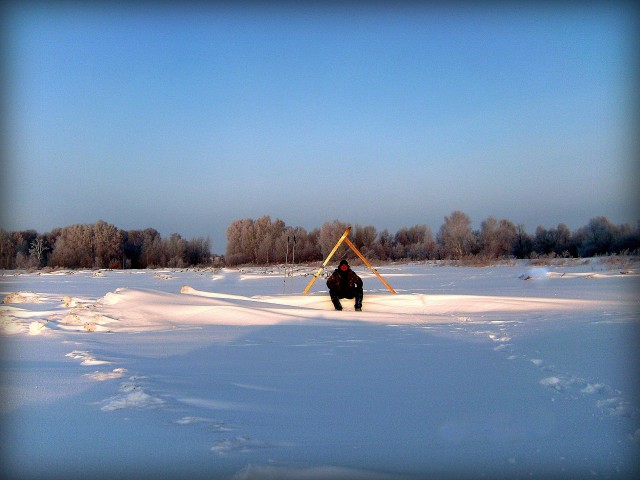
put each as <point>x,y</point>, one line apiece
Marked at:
<point>615,405</point>
<point>131,396</point>
<point>102,376</point>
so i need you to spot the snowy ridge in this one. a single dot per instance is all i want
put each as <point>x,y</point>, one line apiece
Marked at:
<point>137,310</point>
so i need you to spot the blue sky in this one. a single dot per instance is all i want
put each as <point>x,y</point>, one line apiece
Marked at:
<point>186,118</point>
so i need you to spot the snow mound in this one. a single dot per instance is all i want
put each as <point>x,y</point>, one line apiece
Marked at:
<point>69,302</point>
<point>21,297</point>
<point>111,298</point>
<point>35,328</point>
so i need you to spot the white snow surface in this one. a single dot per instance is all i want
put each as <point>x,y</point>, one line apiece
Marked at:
<point>506,371</point>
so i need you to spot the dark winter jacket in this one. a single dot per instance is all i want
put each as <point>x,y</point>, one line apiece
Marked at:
<point>340,280</point>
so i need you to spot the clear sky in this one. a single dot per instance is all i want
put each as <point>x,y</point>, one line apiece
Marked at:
<point>186,118</point>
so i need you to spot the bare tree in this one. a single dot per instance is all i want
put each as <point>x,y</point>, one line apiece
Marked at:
<point>198,251</point>
<point>7,250</point>
<point>37,250</point>
<point>522,243</point>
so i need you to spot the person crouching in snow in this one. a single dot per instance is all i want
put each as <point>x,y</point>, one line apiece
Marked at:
<point>345,283</point>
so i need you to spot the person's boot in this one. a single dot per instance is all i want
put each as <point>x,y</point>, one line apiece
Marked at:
<point>358,303</point>
<point>336,303</point>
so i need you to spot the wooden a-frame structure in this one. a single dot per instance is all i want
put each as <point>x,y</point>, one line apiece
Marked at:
<point>346,240</point>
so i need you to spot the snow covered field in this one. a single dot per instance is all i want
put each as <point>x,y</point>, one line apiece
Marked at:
<point>497,372</point>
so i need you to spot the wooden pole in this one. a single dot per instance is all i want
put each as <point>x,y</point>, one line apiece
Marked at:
<point>324,264</point>
<point>353,247</point>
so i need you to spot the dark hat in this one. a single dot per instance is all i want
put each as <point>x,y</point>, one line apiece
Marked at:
<point>343,262</point>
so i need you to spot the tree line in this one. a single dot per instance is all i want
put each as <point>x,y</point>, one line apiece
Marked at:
<point>100,245</point>
<point>263,241</point>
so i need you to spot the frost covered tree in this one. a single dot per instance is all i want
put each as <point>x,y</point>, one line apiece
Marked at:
<point>383,246</point>
<point>597,237</point>
<point>108,245</point>
<point>497,238</point>
<point>364,239</point>
<point>564,244</point>
<point>557,241</point>
<point>151,250</point>
<point>174,250</point>
<point>295,245</point>
<point>522,243</point>
<point>240,242</point>
<point>14,248</point>
<point>74,247</point>
<point>414,243</point>
<point>308,245</point>
<point>455,238</point>
<point>330,233</point>
<point>266,234</point>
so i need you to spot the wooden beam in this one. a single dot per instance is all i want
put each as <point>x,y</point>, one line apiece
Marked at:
<point>353,247</point>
